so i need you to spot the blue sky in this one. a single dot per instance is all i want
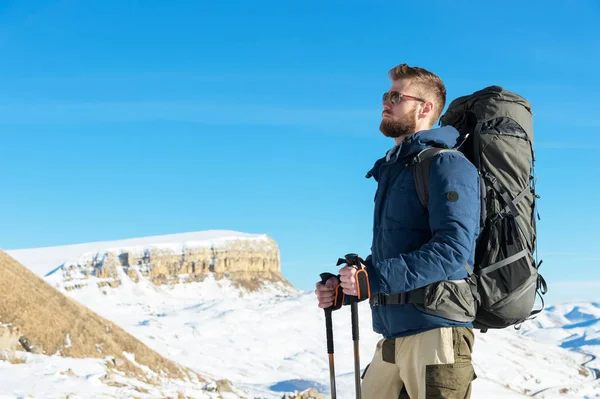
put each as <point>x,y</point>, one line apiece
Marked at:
<point>127,119</point>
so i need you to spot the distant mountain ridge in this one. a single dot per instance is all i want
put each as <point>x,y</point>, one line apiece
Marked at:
<point>568,325</point>
<point>249,260</point>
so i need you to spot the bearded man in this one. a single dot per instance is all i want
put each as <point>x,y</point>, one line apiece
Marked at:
<point>421,354</point>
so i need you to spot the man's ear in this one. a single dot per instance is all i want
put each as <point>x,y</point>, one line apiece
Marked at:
<point>426,109</point>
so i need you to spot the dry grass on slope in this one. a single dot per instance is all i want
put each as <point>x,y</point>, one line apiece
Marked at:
<point>44,317</point>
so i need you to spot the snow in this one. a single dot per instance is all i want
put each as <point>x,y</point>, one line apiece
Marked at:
<point>56,377</point>
<point>271,342</point>
<point>574,326</point>
<point>267,342</point>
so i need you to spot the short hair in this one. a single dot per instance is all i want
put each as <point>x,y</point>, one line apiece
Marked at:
<point>428,85</point>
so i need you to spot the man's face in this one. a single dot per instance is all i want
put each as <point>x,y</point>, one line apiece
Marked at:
<point>400,119</point>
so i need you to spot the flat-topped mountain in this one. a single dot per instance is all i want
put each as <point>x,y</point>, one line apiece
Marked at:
<point>248,260</point>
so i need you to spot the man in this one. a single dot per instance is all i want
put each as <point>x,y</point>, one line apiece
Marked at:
<point>422,354</point>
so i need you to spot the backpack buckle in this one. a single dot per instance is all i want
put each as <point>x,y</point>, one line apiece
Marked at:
<point>491,177</point>
<point>377,300</point>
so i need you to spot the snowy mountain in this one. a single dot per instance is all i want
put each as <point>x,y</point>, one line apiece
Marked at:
<point>271,341</point>
<point>247,259</point>
<point>573,326</point>
<point>42,261</point>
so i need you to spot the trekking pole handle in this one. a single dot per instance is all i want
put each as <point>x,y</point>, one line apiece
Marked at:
<point>361,276</point>
<point>339,297</point>
<point>328,322</point>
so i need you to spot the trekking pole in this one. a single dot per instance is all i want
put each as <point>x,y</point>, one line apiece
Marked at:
<point>364,292</point>
<point>337,303</point>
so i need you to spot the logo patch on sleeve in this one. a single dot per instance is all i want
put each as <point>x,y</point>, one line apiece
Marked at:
<point>452,196</point>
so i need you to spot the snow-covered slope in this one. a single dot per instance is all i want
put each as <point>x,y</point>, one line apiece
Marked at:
<point>268,342</point>
<point>272,341</point>
<point>573,326</point>
<point>28,375</point>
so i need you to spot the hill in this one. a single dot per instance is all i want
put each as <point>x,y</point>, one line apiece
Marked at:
<point>39,325</point>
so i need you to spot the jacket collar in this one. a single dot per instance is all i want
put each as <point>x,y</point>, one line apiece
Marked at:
<point>444,137</point>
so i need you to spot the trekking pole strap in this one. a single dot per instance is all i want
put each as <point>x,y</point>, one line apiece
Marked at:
<point>362,283</point>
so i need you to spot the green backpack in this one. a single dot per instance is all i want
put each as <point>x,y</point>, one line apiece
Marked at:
<point>496,135</point>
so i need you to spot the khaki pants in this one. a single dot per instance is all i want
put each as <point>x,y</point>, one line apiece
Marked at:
<point>433,364</point>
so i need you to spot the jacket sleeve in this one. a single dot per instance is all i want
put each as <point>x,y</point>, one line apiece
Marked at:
<point>454,206</point>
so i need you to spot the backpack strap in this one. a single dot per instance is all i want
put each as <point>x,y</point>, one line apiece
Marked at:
<point>416,296</point>
<point>421,166</point>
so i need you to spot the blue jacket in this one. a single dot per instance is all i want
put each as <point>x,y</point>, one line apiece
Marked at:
<point>412,246</point>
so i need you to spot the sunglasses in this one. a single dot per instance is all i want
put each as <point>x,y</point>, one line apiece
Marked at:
<point>395,97</point>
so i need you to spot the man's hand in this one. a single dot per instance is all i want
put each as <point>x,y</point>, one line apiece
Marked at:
<point>326,292</point>
<point>348,280</point>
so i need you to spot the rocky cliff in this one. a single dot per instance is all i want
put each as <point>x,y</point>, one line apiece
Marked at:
<point>247,260</point>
